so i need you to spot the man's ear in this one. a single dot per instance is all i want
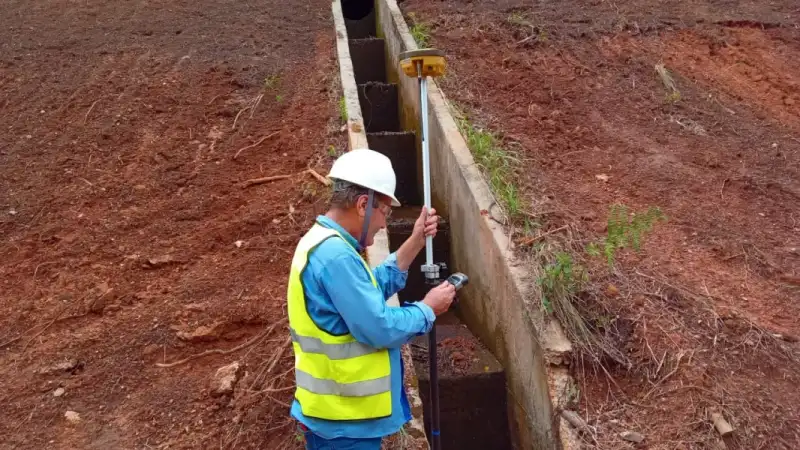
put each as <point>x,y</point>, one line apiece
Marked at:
<point>361,205</point>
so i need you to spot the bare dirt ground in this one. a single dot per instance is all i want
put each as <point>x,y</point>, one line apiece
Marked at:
<point>126,238</point>
<point>705,316</point>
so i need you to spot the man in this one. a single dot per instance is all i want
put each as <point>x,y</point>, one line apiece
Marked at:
<point>346,339</point>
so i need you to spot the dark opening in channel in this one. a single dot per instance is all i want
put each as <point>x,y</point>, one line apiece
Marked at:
<point>357,9</point>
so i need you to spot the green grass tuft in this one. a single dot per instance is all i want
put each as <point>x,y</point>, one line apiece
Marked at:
<point>342,109</point>
<point>498,165</point>
<point>271,82</point>
<point>420,31</point>
<point>561,280</point>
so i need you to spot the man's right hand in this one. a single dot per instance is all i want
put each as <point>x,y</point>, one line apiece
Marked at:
<point>440,298</point>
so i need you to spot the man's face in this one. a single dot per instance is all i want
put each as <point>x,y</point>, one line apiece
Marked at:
<point>379,218</point>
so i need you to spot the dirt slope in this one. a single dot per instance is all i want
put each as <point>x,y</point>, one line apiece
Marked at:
<point>706,314</point>
<point>121,215</point>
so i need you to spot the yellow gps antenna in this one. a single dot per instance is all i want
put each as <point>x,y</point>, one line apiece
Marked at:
<point>431,60</point>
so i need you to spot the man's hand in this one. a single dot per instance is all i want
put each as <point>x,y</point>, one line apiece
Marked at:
<point>440,298</point>
<point>426,225</point>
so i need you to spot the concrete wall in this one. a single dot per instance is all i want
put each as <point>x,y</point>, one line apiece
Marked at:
<point>379,251</point>
<point>495,305</point>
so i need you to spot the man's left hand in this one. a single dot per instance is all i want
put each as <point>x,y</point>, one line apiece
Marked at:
<point>426,225</point>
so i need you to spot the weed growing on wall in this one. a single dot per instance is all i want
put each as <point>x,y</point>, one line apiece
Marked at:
<point>498,165</point>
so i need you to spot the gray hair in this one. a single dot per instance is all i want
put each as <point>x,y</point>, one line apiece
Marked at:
<point>345,194</point>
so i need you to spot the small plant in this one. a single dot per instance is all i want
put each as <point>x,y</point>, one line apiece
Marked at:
<point>309,191</point>
<point>498,165</point>
<point>625,230</point>
<point>332,151</point>
<point>672,97</point>
<point>420,31</point>
<point>342,109</point>
<point>561,279</point>
<point>535,33</point>
<point>517,18</point>
<point>271,82</point>
<point>279,98</point>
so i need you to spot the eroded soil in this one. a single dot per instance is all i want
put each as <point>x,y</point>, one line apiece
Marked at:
<point>127,240</point>
<point>706,313</point>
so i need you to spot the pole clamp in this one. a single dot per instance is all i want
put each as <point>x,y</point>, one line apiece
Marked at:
<point>433,272</point>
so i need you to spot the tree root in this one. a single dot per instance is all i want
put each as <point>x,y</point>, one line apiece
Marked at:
<point>217,351</point>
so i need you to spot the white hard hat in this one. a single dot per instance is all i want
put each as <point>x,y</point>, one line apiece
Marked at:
<point>366,168</point>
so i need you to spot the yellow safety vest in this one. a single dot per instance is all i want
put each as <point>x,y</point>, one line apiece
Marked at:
<point>338,378</point>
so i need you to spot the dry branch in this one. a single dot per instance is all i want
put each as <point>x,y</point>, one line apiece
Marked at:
<point>312,172</point>
<point>86,117</point>
<point>236,119</point>
<point>238,152</point>
<point>528,241</point>
<point>284,404</point>
<point>533,36</point>
<point>11,341</point>
<point>576,421</point>
<point>664,378</point>
<point>278,355</point>
<point>268,367</point>
<point>666,78</point>
<point>722,425</point>
<point>272,390</point>
<point>58,318</point>
<point>217,351</point>
<point>319,177</point>
<point>253,109</point>
<point>262,180</point>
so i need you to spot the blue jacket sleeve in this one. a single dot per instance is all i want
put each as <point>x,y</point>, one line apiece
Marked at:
<point>364,309</point>
<point>389,277</point>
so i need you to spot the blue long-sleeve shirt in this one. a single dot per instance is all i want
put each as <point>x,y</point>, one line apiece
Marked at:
<point>340,298</point>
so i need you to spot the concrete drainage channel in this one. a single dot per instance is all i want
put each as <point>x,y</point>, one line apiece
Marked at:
<point>496,389</point>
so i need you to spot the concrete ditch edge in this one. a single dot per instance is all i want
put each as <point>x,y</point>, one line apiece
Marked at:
<point>379,251</point>
<point>498,305</point>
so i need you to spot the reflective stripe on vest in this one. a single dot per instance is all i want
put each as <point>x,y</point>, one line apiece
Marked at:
<point>338,378</point>
<point>332,351</point>
<point>330,387</point>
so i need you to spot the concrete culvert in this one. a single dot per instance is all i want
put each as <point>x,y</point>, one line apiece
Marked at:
<point>357,9</point>
<point>359,17</point>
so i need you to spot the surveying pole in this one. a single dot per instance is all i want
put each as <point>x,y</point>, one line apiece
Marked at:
<point>422,64</point>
